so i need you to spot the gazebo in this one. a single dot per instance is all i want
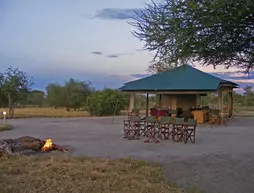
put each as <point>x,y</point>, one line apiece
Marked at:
<point>180,87</point>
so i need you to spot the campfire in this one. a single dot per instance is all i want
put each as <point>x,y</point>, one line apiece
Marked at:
<point>48,145</point>
<point>14,146</point>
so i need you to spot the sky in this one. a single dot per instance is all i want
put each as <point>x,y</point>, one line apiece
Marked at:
<point>87,40</point>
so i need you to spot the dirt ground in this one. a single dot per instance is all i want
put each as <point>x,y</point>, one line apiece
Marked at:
<point>221,160</point>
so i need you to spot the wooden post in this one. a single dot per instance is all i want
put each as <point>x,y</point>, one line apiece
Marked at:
<point>160,101</point>
<point>147,104</point>
<point>220,100</point>
<point>131,103</point>
<point>197,99</point>
<point>230,101</point>
<point>173,102</point>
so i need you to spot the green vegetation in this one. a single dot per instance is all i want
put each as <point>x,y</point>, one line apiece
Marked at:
<point>77,98</point>
<point>243,104</point>
<point>212,33</point>
<point>106,102</point>
<point>72,94</point>
<point>5,127</point>
<point>16,93</point>
<point>14,84</point>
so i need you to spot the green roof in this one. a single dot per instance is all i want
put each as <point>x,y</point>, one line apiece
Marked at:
<point>182,78</point>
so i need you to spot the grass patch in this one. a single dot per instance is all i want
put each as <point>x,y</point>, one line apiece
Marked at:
<point>5,127</point>
<point>68,174</point>
<point>45,112</point>
<point>244,111</point>
<point>48,112</point>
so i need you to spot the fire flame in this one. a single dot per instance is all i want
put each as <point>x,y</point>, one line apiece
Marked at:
<point>48,145</point>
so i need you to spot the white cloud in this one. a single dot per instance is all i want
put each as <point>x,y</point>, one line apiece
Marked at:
<point>239,89</point>
<point>218,69</point>
<point>242,80</point>
<point>238,74</point>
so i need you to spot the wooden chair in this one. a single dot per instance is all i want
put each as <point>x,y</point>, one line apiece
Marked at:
<point>178,129</point>
<point>190,131</point>
<point>164,127</point>
<point>151,129</point>
<point>132,127</point>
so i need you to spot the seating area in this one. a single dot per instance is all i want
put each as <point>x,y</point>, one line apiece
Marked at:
<point>153,129</point>
<point>177,108</point>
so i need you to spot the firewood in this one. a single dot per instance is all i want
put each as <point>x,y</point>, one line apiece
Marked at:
<point>16,146</point>
<point>57,147</point>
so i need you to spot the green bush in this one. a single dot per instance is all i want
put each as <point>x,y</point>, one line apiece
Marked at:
<point>5,127</point>
<point>106,102</point>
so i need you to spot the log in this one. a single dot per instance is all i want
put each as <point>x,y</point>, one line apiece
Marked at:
<point>16,146</point>
<point>56,147</point>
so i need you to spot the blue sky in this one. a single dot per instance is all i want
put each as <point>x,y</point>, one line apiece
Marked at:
<point>87,40</point>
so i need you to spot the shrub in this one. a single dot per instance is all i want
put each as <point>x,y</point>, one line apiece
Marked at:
<point>5,127</point>
<point>106,102</point>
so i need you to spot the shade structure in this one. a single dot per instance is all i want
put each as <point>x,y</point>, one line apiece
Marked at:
<point>184,78</point>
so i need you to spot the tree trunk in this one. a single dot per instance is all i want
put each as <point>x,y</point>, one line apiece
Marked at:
<point>10,105</point>
<point>12,112</point>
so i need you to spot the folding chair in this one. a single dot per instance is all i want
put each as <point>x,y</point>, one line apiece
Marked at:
<point>178,129</point>
<point>132,127</point>
<point>190,131</point>
<point>151,129</point>
<point>164,127</point>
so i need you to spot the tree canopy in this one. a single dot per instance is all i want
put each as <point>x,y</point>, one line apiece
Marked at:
<point>72,94</point>
<point>217,33</point>
<point>14,84</point>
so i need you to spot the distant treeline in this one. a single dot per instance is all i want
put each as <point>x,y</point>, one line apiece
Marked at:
<point>16,92</point>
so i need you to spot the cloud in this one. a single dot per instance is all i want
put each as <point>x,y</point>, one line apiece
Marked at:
<point>117,14</point>
<point>242,80</point>
<point>97,53</point>
<point>113,56</point>
<point>238,74</point>
<point>238,77</point>
<point>234,76</point>
<point>230,76</point>
<point>239,90</point>
<point>242,75</point>
<point>139,75</point>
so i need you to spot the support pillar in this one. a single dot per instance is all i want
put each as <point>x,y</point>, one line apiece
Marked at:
<point>197,99</point>
<point>220,100</point>
<point>230,102</point>
<point>147,104</point>
<point>173,102</point>
<point>131,103</point>
<point>160,100</point>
